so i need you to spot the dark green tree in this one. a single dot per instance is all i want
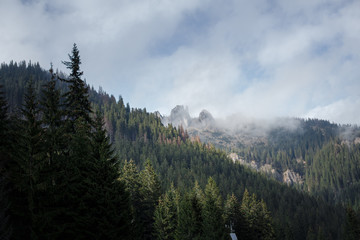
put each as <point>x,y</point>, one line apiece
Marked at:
<point>53,142</point>
<point>258,222</point>
<point>213,224</point>
<point>131,178</point>
<point>113,202</point>
<point>25,172</point>
<point>190,215</point>
<point>5,145</point>
<point>150,191</point>
<point>77,98</point>
<point>232,214</point>
<point>166,215</point>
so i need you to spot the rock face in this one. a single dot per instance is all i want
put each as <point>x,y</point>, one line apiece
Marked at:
<point>205,118</point>
<point>180,116</point>
<point>267,169</point>
<point>291,177</point>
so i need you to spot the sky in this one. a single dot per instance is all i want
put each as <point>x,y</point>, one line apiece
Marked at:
<point>259,58</point>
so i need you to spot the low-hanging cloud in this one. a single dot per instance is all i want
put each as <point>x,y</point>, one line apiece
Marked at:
<point>257,58</point>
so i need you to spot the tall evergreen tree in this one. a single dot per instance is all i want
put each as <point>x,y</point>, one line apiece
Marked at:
<point>25,173</point>
<point>113,202</point>
<point>233,216</point>
<point>77,101</point>
<point>190,217</point>
<point>131,178</point>
<point>5,145</point>
<point>212,213</point>
<point>53,144</point>
<point>150,190</point>
<point>258,222</point>
<point>166,215</point>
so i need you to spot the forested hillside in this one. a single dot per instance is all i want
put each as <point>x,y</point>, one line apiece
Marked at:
<point>325,155</point>
<point>64,177</point>
<point>313,155</point>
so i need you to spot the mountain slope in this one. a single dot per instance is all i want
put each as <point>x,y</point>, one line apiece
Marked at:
<point>314,155</point>
<point>140,136</point>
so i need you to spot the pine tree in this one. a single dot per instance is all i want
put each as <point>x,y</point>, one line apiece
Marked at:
<point>150,191</point>
<point>29,160</point>
<point>53,145</point>
<point>75,186</point>
<point>166,215</point>
<point>52,119</point>
<point>212,214</point>
<point>131,178</point>
<point>4,131</point>
<point>113,202</point>
<point>190,218</point>
<point>5,145</point>
<point>258,222</point>
<point>233,216</point>
<point>77,101</point>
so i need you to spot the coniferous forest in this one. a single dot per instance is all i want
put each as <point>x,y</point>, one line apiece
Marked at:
<point>78,164</point>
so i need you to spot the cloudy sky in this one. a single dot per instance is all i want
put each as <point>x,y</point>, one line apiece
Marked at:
<point>260,58</point>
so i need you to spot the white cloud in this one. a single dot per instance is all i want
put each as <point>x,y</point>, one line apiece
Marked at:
<point>343,111</point>
<point>260,58</point>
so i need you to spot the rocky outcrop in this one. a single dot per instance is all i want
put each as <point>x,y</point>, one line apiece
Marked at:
<point>180,116</point>
<point>291,177</point>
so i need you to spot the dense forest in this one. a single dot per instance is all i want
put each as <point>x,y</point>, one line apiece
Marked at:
<point>78,164</point>
<point>324,154</point>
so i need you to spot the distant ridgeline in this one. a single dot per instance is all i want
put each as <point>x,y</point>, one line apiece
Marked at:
<point>176,186</point>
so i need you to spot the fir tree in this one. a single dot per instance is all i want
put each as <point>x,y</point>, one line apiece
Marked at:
<point>150,191</point>
<point>258,222</point>
<point>212,213</point>
<point>29,160</point>
<point>166,215</point>
<point>232,213</point>
<point>5,145</point>
<point>190,218</point>
<point>53,145</point>
<point>131,178</point>
<point>77,101</point>
<point>113,203</point>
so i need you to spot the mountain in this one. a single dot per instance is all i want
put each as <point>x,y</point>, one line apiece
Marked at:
<point>306,153</point>
<point>182,161</point>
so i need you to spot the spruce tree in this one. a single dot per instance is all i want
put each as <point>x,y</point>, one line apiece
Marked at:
<point>29,161</point>
<point>166,215</point>
<point>212,214</point>
<point>131,178</point>
<point>232,213</point>
<point>150,191</point>
<point>5,145</point>
<point>77,101</point>
<point>190,218</point>
<point>113,202</point>
<point>53,145</point>
<point>258,222</point>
